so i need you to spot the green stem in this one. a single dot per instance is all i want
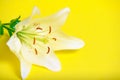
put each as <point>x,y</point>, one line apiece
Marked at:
<point>6,23</point>
<point>8,28</point>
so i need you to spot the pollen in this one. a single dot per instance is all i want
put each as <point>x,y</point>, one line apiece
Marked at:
<point>48,50</point>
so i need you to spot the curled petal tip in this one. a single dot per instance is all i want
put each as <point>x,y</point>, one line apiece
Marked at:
<point>67,9</point>
<point>35,11</point>
<point>64,11</point>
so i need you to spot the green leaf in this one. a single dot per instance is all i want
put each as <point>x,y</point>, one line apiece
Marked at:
<point>10,32</point>
<point>1,29</point>
<point>10,27</point>
<point>13,22</point>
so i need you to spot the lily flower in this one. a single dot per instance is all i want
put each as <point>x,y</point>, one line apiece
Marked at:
<point>35,40</point>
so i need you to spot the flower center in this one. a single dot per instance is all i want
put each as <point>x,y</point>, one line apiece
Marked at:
<point>31,38</point>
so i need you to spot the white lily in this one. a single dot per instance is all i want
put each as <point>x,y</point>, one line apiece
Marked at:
<point>35,41</point>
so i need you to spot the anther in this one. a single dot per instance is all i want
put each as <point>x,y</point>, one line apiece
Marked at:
<point>39,28</point>
<point>48,50</point>
<point>36,52</point>
<point>34,41</point>
<point>49,29</point>
<point>54,39</point>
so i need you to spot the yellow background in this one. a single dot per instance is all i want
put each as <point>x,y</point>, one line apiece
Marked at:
<point>96,22</point>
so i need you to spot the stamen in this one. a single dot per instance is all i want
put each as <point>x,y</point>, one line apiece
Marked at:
<point>49,29</point>
<point>39,28</point>
<point>54,39</point>
<point>36,52</point>
<point>34,41</point>
<point>48,50</point>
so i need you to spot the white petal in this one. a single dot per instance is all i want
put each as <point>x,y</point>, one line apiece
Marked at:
<point>25,68</point>
<point>55,21</point>
<point>14,44</point>
<point>49,60</point>
<point>64,42</point>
